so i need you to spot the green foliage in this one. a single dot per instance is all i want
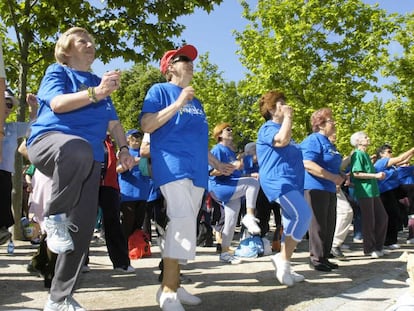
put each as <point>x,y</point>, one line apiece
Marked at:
<point>402,67</point>
<point>129,98</point>
<point>223,103</point>
<point>320,53</point>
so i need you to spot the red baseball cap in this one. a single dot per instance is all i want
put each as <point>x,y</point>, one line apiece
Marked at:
<point>188,50</point>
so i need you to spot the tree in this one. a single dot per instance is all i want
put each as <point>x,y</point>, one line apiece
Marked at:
<point>402,67</point>
<point>129,98</point>
<point>320,53</point>
<point>134,30</point>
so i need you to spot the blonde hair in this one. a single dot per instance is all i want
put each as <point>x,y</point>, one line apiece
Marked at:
<point>65,41</point>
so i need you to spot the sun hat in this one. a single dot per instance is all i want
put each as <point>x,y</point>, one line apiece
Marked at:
<point>188,50</point>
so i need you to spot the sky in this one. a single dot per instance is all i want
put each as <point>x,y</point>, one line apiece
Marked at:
<point>213,33</point>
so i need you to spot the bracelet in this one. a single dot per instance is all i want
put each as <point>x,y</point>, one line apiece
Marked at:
<point>92,95</point>
<point>123,147</point>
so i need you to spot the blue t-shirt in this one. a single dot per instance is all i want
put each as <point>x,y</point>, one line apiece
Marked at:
<point>133,186</point>
<point>249,166</point>
<point>179,148</point>
<point>406,174</point>
<point>89,122</point>
<point>281,169</point>
<point>224,186</point>
<point>391,180</point>
<point>318,148</point>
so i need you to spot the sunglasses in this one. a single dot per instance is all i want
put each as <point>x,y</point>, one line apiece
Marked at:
<point>137,135</point>
<point>9,104</point>
<point>180,58</point>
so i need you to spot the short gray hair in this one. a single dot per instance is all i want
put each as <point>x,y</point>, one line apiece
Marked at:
<point>356,137</point>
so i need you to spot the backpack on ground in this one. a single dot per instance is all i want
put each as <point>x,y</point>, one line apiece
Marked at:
<point>139,245</point>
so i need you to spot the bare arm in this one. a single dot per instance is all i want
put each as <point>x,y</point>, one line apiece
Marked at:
<point>402,158</point>
<point>283,137</point>
<point>362,175</point>
<point>153,121</point>
<point>316,170</point>
<point>73,101</point>
<point>117,132</point>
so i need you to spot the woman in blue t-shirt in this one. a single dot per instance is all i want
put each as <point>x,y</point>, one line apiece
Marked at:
<point>229,190</point>
<point>66,144</point>
<point>389,188</point>
<point>176,120</point>
<point>322,175</point>
<point>281,174</point>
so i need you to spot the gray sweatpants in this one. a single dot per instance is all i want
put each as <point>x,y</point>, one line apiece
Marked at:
<point>69,161</point>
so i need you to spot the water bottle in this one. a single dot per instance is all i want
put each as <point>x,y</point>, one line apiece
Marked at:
<point>24,221</point>
<point>10,247</point>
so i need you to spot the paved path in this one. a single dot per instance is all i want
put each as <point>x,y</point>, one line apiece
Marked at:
<point>360,284</point>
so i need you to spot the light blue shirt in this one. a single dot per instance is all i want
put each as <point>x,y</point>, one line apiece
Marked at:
<point>12,131</point>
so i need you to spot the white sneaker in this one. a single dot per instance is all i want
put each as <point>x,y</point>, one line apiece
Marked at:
<point>297,278</point>
<point>170,302</point>
<point>57,229</point>
<point>383,252</point>
<point>185,297</point>
<point>227,258</point>
<point>376,254</point>
<point>250,222</point>
<point>283,274</point>
<point>393,246</point>
<point>126,269</point>
<point>410,241</point>
<point>69,304</point>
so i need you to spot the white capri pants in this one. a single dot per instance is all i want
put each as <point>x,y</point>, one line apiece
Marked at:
<point>183,201</point>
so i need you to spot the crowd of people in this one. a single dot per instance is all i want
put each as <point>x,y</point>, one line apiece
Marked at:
<point>164,172</point>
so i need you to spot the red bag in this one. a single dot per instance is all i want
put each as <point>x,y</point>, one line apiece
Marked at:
<point>139,245</point>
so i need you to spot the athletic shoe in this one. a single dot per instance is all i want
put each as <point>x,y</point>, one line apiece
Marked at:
<point>384,252</point>
<point>227,258</point>
<point>57,229</point>
<point>170,302</point>
<point>358,240</point>
<point>297,278</point>
<point>5,235</point>
<point>250,222</point>
<point>69,304</point>
<point>125,269</point>
<point>337,252</point>
<point>345,247</point>
<point>393,246</point>
<point>283,274</point>
<point>376,254</point>
<point>85,269</point>
<point>185,297</point>
<point>410,241</point>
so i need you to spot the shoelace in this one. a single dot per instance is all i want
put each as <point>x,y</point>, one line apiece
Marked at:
<point>60,228</point>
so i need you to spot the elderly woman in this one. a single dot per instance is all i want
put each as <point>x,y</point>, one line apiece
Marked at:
<point>176,120</point>
<point>364,177</point>
<point>389,188</point>
<point>281,174</point>
<point>66,144</point>
<point>228,190</point>
<point>322,174</point>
